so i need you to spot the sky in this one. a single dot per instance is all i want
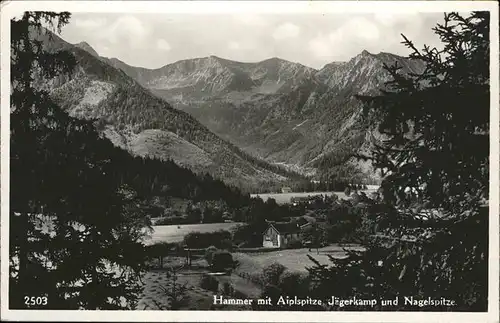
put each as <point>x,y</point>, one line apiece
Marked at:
<point>154,40</point>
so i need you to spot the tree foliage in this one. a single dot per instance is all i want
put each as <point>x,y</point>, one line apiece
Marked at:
<point>75,231</point>
<point>434,150</point>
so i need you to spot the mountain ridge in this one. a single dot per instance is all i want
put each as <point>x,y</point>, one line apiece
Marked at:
<point>280,111</point>
<point>143,124</point>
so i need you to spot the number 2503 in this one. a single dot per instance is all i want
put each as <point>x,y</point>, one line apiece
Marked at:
<point>35,300</point>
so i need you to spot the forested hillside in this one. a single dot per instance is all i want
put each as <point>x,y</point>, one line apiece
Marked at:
<point>283,112</point>
<point>146,125</point>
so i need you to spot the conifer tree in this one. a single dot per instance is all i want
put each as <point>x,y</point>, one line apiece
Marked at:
<point>434,150</point>
<point>75,236</point>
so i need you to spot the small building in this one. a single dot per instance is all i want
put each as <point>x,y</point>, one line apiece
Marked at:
<point>286,189</point>
<point>279,235</point>
<point>304,200</point>
<point>305,221</point>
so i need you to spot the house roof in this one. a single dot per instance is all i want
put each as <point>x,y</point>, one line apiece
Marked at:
<point>305,219</point>
<point>286,227</point>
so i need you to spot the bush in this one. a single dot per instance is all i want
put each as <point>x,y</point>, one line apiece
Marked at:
<point>209,254</point>
<point>222,260</point>
<point>295,244</point>
<point>226,244</point>
<point>256,278</point>
<point>249,235</point>
<point>272,291</point>
<point>293,284</point>
<point>198,240</point>
<point>355,198</point>
<point>272,273</point>
<point>209,283</point>
<point>240,295</point>
<point>228,289</point>
<point>159,249</point>
<point>172,221</point>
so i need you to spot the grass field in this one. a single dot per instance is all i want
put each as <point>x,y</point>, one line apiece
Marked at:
<point>176,233</point>
<point>154,297</point>
<point>293,259</point>
<point>284,198</point>
<point>157,281</point>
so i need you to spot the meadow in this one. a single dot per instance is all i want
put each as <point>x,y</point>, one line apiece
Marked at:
<point>176,233</point>
<point>284,198</point>
<point>157,281</point>
<point>293,259</point>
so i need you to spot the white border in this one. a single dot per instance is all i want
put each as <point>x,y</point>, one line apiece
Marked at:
<point>283,7</point>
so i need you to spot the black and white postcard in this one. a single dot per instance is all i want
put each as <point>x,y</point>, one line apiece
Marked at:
<point>288,161</point>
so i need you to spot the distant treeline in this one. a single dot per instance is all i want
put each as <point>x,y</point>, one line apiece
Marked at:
<point>209,200</point>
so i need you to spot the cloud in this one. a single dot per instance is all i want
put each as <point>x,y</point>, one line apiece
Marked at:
<point>321,47</point>
<point>241,46</point>
<point>128,28</point>
<point>234,45</point>
<point>163,45</point>
<point>359,27</point>
<point>343,42</point>
<point>286,30</point>
<point>391,19</point>
<point>313,40</point>
<point>250,20</point>
<point>90,23</point>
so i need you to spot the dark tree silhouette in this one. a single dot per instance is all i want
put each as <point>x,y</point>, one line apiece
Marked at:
<point>75,231</point>
<point>434,149</point>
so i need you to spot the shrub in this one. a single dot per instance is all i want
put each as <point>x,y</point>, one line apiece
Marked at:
<point>293,284</point>
<point>250,235</point>
<point>209,283</point>
<point>295,244</point>
<point>159,249</point>
<point>222,260</point>
<point>198,240</point>
<point>239,294</point>
<point>355,198</point>
<point>209,254</point>
<point>172,220</point>
<point>228,289</point>
<point>226,244</point>
<point>257,278</point>
<point>271,291</point>
<point>272,273</point>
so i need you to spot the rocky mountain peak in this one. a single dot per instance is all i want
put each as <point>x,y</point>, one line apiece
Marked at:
<point>366,53</point>
<point>280,110</point>
<point>86,47</point>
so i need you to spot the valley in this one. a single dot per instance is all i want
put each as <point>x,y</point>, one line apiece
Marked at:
<point>280,111</point>
<point>145,125</point>
<point>256,126</point>
<point>167,188</point>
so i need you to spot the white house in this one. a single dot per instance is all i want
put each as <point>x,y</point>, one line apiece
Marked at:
<point>279,235</point>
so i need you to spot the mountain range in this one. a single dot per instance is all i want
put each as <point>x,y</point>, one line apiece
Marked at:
<point>284,112</point>
<point>138,121</point>
<point>246,123</point>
